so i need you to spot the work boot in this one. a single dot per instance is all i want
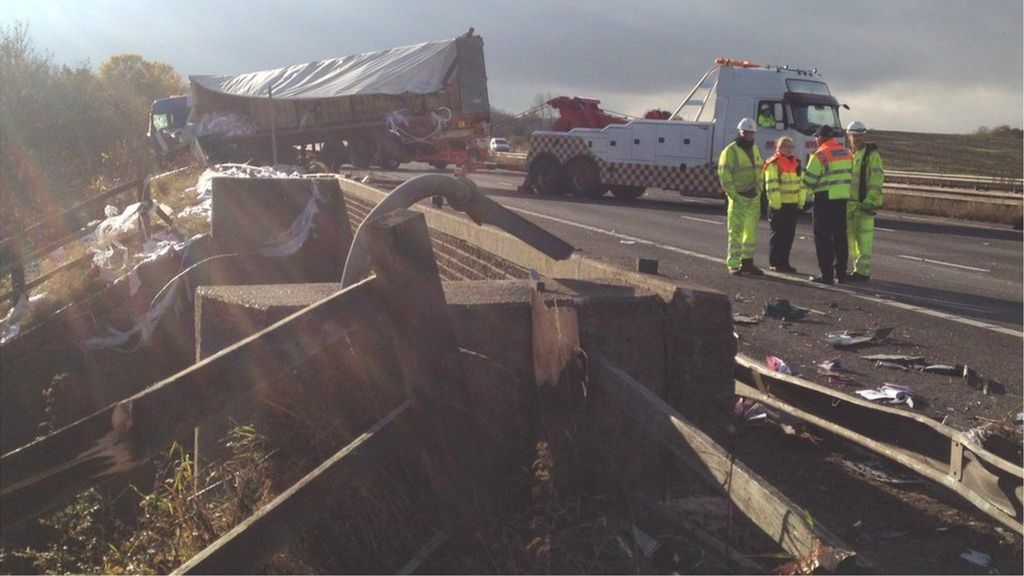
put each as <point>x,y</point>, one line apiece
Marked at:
<point>785,269</point>
<point>736,271</point>
<point>820,280</point>
<point>747,265</point>
<point>858,277</point>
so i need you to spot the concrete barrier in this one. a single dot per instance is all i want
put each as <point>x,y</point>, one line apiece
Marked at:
<point>699,321</point>
<point>258,217</point>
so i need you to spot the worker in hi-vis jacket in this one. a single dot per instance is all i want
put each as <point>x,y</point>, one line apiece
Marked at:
<point>784,185</point>
<point>827,176</point>
<point>740,172</point>
<point>865,200</point>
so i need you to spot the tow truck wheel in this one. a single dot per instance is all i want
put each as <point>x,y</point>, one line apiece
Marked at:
<point>628,193</point>
<point>585,178</point>
<point>548,176</point>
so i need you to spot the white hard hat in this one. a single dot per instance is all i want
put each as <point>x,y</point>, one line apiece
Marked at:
<point>747,125</point>
<point>856,127</point>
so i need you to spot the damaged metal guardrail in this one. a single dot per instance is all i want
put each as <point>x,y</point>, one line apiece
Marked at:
<point>933,450</point>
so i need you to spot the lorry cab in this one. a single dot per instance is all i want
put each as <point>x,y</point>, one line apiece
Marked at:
<point>168,118</point>
<point>783,101</point>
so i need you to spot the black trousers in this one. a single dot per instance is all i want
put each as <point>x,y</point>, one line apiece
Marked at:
<point>830,236</point>
<point>783,223</point>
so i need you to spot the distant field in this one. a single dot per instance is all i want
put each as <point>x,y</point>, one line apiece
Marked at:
<point>982,155</point>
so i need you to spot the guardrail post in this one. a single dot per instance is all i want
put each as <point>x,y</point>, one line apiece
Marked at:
<point>15,256</point>
<point>143,209</point>
<point>431,366</point>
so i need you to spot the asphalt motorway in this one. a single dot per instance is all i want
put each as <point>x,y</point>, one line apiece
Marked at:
<point>968,270</point>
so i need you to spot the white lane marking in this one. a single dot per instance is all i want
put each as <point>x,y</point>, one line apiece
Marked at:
<point>619,235</point>
<point>893,303</point>
<point>884,229</point>
<point>708,220</point>
<point>941,263</point>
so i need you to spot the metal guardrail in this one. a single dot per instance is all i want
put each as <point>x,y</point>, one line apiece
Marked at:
<point>53,232</point>
<point>937,452</point>
<point>924,181</point>
<point>994,183</point>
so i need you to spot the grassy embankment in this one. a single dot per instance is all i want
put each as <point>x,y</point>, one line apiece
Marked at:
<point>975,154</point>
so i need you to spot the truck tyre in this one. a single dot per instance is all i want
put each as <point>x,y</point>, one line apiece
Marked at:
<point>439,165</point>
<point>628,193</point>
<point>360,153</point>
<point>585,178</point>
<point>548,176</point>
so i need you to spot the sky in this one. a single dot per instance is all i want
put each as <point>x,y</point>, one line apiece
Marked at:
<point>939,66</point>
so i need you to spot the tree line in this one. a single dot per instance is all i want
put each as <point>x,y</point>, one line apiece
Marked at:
<point>68,131</point>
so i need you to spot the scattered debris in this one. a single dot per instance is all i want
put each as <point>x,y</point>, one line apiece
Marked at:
<point>899,358</point>
<point>977,558</point>
<point>993,387</point>
<point>776,364</point>
<point>10,326</point>
<point>646,543</point>
<point>979,434</point>
<point>783,309</point>
<point>627,242</point>
<point>904,362</point>
<point>893,365</point>
<point>866,533</point>
<point>788,327</point>
<point>943,370</point>
<point>848,338</point>
<point>842,379</point>
<point>751,414</point>
<point>745,319</point>
<point>830,367</point>
<point>890,393</point>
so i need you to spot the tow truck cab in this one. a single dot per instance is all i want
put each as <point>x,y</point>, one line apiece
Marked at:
<point>799,102</point>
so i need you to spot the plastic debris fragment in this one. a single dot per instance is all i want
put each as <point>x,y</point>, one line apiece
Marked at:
<point>783,309</point>
<point>745,319</point>
<point>890,394</point>
<point>977,558</point>
<point>776,364</point>
<point>852,338</point>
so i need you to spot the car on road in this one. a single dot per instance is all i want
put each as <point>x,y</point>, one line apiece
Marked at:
<point>499,145</point>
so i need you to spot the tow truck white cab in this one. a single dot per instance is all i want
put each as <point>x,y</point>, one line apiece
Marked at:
<point>681,152</point>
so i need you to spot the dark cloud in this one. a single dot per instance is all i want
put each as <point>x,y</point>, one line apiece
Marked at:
<point>936,53</point>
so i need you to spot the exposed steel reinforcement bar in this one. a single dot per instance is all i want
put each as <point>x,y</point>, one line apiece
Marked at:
<point>933,450</point>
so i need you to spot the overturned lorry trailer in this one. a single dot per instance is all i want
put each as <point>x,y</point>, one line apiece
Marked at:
<point>424,102</point>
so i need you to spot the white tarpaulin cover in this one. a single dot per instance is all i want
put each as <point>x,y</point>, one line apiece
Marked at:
<point>418,69</point>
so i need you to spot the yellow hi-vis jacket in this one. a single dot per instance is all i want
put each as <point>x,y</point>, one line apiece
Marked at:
<point>829,170</point>
<point>739,175</point>
<point>871,195</point>
<point>783,182</point>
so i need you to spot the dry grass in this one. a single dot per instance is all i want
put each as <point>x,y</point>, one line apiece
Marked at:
<point>976,154</point>
<point>165,525</point>
<point>963,209</point>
